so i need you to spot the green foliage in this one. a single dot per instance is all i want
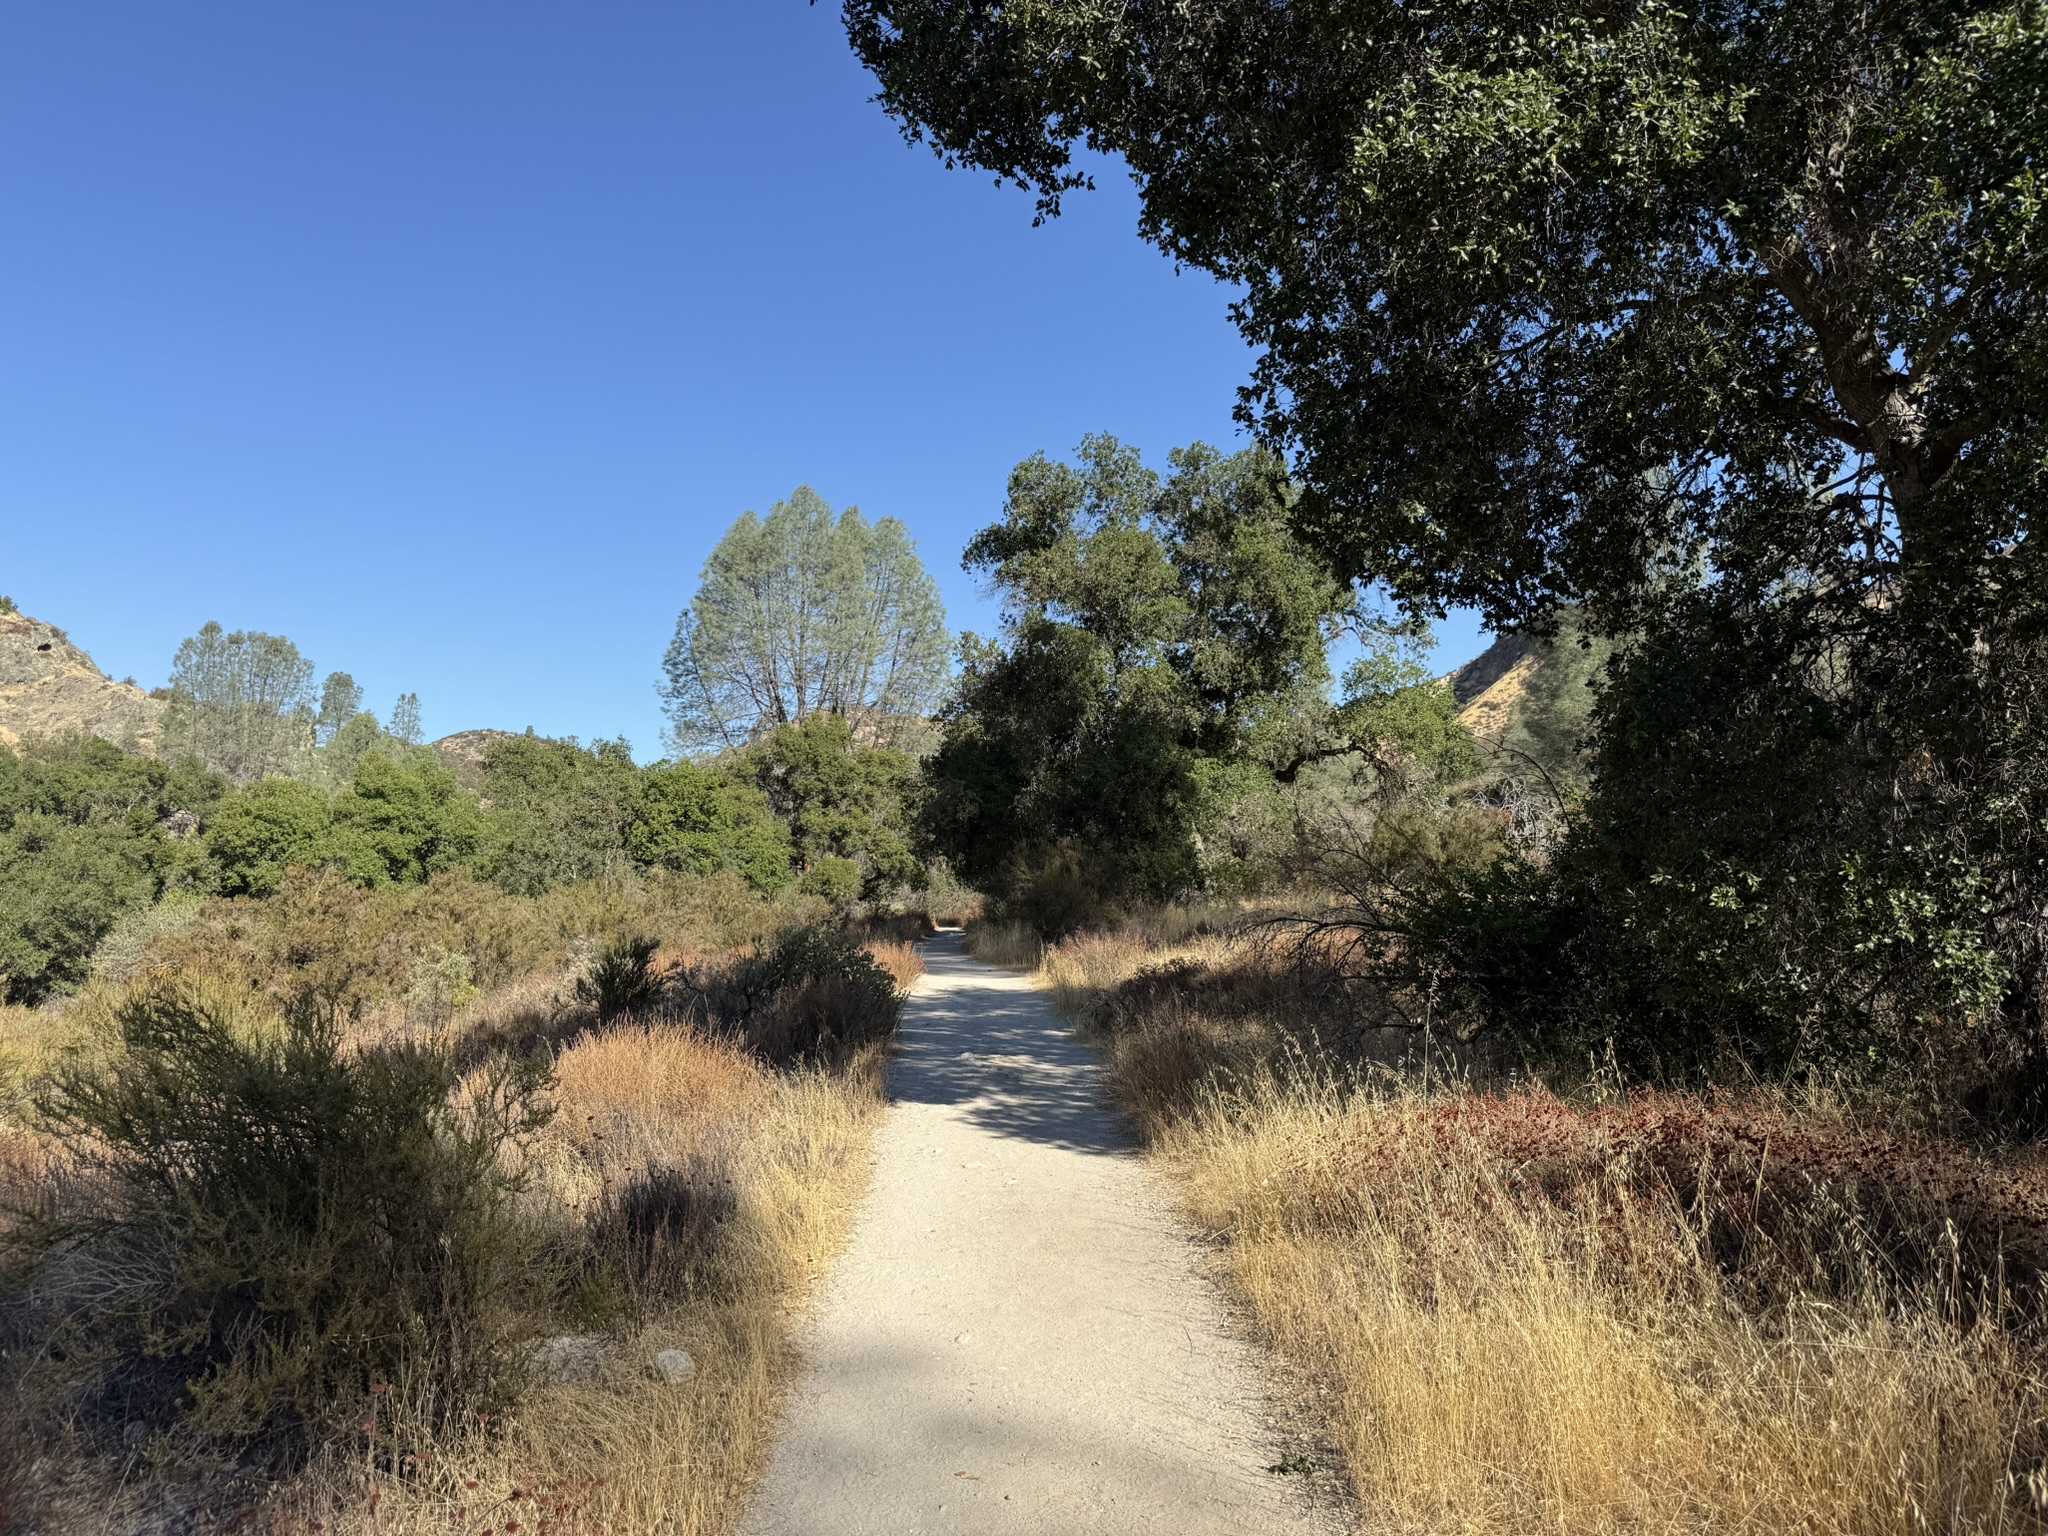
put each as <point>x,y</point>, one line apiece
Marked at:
<point>310,1220</point>
<point>7,605</point>
<point>840,801</point>
<point>86,835</point>
<point>334,765</point>
<point>813,995</point>
<point>798,612</point>
<point>1397,716</point>
<point>1162,672</point>
<point>1769,867</point>
<point>341,700</point>
<point>700,821</point>
<point>405,720</point>
<point>241,703</point>
<point>263,829</point>
<point>557,811</point>
<point>1722,328</point>
<point>403,822</point>
<point>834,879</point>
<point>1553,299</point>
<point>621,980</point>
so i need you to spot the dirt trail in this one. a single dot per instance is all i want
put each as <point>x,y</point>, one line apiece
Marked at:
<point>1019,1338</point>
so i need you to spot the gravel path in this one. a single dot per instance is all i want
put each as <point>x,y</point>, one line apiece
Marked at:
<point>1019,1337</point>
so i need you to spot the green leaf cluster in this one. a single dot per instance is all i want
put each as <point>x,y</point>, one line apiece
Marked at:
<point>800,612</point>
<point>1162,672</point>
<point>86,835</point>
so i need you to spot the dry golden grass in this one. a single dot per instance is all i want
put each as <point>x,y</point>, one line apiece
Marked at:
<point>1492,1352</point>
<point>902,961</point>
<point>781,1160</point>
<point>1011,945</point>
<point>1486,1373</point>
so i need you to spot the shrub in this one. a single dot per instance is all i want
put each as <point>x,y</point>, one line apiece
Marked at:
<point>1057,891</point>
<point>835,880</point>
<point>294,1224</point>
<point>622,979</point>
<point>264,828</point>
<point>816,994</point>
<point>699,822</point>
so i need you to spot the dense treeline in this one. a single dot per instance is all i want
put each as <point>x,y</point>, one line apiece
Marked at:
<point>88,835</point>
<point>262,774</point>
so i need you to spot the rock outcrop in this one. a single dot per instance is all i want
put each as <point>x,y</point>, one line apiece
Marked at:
<point>462,754</point>
<point>49,687</point>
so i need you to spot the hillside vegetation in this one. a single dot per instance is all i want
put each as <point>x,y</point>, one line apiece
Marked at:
<point>400,1139</point>
<point>380,1207</point>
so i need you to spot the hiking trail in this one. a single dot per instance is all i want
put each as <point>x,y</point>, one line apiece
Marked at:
<point>1019,1337</point>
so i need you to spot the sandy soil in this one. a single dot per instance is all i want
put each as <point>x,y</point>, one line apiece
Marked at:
<point>1020,1337</point>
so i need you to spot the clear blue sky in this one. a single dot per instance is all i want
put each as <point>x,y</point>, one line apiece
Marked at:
<point>447,339</point>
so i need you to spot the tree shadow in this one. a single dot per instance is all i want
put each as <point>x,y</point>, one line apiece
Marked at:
<point>984,1043</point>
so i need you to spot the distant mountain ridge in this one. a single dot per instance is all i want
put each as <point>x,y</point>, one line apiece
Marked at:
<point>49,687</point>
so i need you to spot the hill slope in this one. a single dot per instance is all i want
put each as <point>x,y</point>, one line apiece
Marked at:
<point>49,687</point>
<point>1532,698</point>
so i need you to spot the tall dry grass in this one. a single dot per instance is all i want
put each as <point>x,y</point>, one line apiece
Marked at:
<point>1014,946</point>
<point>689,1189</point>
<point>1520,1314</point>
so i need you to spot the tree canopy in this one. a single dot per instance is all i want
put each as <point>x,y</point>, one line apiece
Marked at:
<point>799,612</point>
<point>1722,327</point>
<point>241,703</point>
<point>1162,671</point>
<point>1553,300</point>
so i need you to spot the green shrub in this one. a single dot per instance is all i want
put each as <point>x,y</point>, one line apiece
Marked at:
<point>557,811</point>
<point>835,880</point>
<point>262,829</point>
<point>622,979</point>
<point>294,1224</point>
<point>814,995</point>
<point>86,836</point>
<point>699,822</point>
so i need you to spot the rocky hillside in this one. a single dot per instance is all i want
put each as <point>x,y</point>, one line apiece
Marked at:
<point>1531,700</point>
<point>49,687</point>
<point>462,754</point>
<point>1487,686</point>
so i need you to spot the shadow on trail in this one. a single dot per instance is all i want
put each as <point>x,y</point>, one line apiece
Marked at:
<point>985,1042</point>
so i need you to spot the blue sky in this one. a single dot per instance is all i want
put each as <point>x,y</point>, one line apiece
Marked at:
<point>447,339</point>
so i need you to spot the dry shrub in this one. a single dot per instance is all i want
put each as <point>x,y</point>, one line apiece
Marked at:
<point>287,1221</point>
<point>365,952</point>
<point>779,1158</point>
<point>900,959</point>
<point>815,995</point>
<point>689,1186</point>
